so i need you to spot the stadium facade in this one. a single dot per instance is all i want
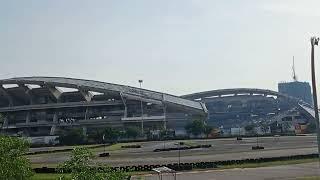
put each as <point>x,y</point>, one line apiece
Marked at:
<point>40,106</point>
<point>232,108</point>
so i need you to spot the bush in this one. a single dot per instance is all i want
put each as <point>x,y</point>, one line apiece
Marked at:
<point>82,167</point>
<point>72,137</point>
<point>196,127</point>
<point>132,132</point>
<point>13,165</point>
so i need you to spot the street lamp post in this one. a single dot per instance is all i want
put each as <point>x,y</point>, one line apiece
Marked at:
<point>179,155</point>
<point>104,143</point>
<point>179,147</point>
<point>141,106</point>
<point>314,41</point>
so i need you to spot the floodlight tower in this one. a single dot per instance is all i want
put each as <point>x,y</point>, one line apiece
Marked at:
<point>315,41</point>
<point>141,106</point>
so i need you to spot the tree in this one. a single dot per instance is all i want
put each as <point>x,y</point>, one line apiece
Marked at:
<point>207,130</point>
<point>1,118</point>
<point>111,134</point>
<point>72,137</point>
<point>13,165</point>
<point>132,132</point>
<point>196,127</point>
<point>82,167</point>
<point>96,136</point>
<point>1,121</point>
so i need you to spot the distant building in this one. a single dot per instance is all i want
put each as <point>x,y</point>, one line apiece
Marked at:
<point>300,90</point>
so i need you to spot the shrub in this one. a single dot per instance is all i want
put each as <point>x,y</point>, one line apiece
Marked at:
<point>82,167</point>
<point>72,137</point>
<point>13,165</point>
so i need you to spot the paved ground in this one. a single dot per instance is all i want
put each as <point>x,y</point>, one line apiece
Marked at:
<point>286,172</point>
<point>222,149</point>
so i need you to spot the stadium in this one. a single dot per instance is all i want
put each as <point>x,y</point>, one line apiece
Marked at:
<point>45,106</point>
<point>42,106</point>
<point>230,108</point>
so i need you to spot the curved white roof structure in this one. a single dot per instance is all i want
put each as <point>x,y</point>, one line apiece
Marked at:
<point>103,87</point>
<point>40,105</point>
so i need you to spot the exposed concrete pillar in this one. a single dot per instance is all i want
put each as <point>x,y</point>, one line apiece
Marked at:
<point>84,130</point>
<point>55,118</point>
<point>5,122</point>
<point>125,105</point>
<point>86,113</point>
<point>54,91</point>
<point>27,91</point>
<point>28,117</point>
<point>53,130</point>
<point>55,122</point>
<point>8,96</point>
<point>165,117</point>
<point>86,94</point>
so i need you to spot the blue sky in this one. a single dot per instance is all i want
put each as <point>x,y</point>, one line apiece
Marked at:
<point>175,46</point>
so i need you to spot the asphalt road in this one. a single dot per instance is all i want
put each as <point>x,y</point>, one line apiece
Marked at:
<point>222,149</point>
<point>285,172</point>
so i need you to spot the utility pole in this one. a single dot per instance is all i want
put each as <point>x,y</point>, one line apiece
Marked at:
<point>314,41</point>
<point>141,106</point>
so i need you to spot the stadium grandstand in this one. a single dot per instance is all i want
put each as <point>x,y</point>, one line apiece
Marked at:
<point>238,107</point>
<point>42,106</point>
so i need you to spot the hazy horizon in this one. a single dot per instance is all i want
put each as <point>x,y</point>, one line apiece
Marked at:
<point>177,47</point>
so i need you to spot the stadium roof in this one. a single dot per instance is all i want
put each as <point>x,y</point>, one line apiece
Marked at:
<point>103,87</point>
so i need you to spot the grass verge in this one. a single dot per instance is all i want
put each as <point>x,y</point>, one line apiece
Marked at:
<point>189,143</point>
<point>46,176</point>
<point>113,147</point>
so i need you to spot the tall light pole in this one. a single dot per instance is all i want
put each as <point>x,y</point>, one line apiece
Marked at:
<point>141,106</point>
<point>179,147</point>
<point>314,41</point>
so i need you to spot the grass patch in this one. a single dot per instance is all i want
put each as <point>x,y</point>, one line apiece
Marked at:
<point>190,143</point>
<point>47,176</point>
<point>113,147</point>
<point>265,164</point>
<point>94,148</point>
